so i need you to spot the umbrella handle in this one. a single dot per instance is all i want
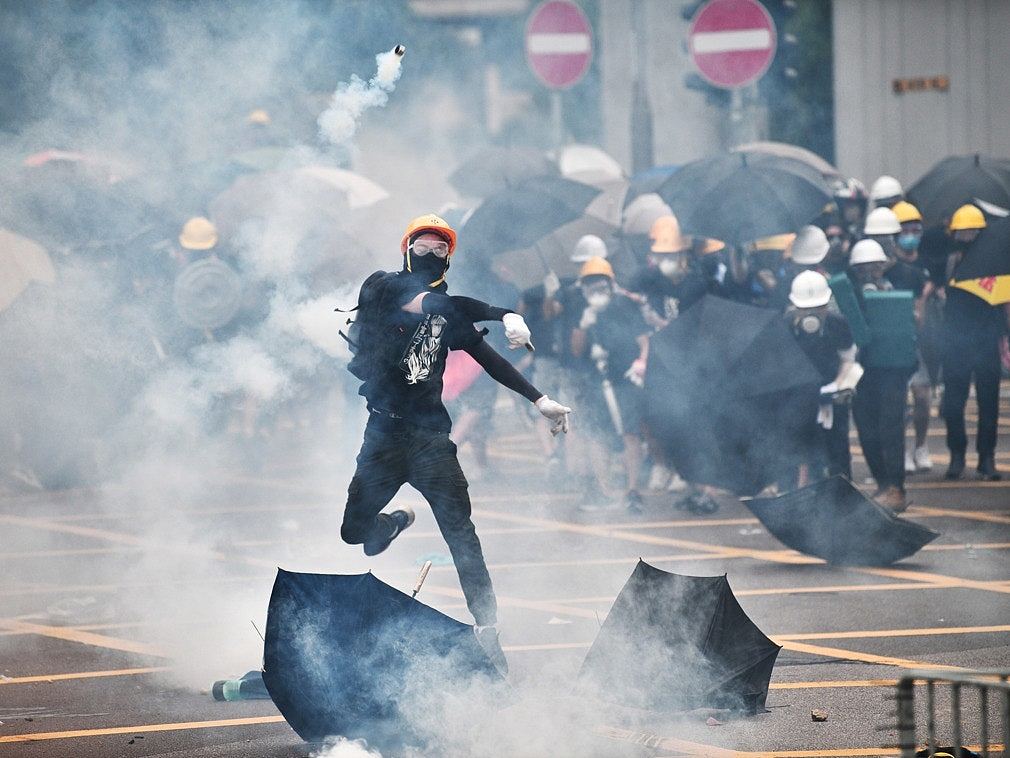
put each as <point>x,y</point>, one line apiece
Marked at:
<point>421,577</point>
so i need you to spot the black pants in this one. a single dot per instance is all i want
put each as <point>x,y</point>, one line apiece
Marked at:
<point>961,363</point>
<point>835,443</point>
<point>879,412</point>
<point>395,452</point>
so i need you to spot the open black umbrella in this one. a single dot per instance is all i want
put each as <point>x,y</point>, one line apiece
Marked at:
<point>985,269</point>
<point>674,642</point>
<point>729,394</point>
<point>739,197</point>
<point>833,520</point>
<point>960,179</point>
<point>495,169</point>
<point>349,655</point>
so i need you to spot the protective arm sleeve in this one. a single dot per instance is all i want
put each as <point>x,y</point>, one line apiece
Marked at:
<point>460,307</point>
<point>502,371</point>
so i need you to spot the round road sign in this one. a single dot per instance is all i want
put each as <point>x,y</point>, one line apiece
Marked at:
<point>559,43</point>
<point>732,42</point>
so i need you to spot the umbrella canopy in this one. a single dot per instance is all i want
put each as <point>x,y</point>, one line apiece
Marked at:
<point>674,642</point>
<point>985,270</point>
<point>957,180</point>
<point>349,655</point>
<point>648,181</point>
<point>808,520</point>
<point>729,394</point>
<point>740,197</point>
<point>496,169</point>
<point>520,217</point>
<point>785,150</point>
<point>22,262</point>
<point>588,163</point>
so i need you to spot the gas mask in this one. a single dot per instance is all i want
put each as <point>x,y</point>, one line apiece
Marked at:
<point>810,323</point>
<point>598,300</point>
<point>672,267</point>
<point>430,266</point>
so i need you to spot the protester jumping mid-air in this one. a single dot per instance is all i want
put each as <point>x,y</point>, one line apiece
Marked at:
<point>404,327</point>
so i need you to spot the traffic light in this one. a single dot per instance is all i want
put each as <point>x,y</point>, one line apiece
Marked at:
<point>785,68</point>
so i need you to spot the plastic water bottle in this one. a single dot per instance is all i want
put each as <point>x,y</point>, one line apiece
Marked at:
<point>249,687</point>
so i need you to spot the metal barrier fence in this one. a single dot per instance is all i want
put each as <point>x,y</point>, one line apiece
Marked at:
<point>976,700</point>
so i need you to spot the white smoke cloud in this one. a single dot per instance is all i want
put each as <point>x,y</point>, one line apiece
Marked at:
<point>341,748</point>
<point>339,122</point>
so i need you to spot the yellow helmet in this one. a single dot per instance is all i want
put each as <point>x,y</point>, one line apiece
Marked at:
<point>906,212</point>
<point>259,117</point>
<point>775,242</point>
<point>967,217</point>
<point>198,234</point>
<point>596,267</point>
<point>429,223</point>
<point>666,237</point>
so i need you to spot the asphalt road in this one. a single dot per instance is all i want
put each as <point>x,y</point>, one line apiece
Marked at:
<point>119,607</point>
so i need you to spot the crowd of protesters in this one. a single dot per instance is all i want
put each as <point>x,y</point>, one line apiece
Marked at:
<point>884,358</point>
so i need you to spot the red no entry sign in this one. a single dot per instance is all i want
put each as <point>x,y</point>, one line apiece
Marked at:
<point>732,42</point>
<point>559,43</point>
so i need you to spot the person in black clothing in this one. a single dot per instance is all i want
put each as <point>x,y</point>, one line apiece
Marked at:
<point>826,339</point>
<point>405,326</point>
<point>973,330</point>
<point>673,280</point>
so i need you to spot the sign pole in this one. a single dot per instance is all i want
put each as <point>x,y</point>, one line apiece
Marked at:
<point>557,120</point>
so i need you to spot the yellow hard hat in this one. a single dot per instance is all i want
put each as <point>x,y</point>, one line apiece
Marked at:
<point>666,237</point>
<point>198,234</point>
<point>259,117</point>
<point>712,246</point>
<point>596,267</point>
<point>429,223</point>
<point>967,217</point>
<point>774,242</point>
<point>906,212</point>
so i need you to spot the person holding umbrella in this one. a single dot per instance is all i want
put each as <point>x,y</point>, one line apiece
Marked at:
<point>405,326</point>
<point>973,331</point>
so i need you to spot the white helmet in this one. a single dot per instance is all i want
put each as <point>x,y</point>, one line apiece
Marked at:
<point>867,251</point>
<point>810,290</point>
<point>642,212</point>
<point>881,221</point>
<point>810,246</point>
<point>588,246</point>
<point>885,187</point>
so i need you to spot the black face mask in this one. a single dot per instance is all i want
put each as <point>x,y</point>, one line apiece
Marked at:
<point>428,267</point>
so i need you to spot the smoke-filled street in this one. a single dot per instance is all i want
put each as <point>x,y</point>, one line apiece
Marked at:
<point>116,656</point>
<point>401,378</point>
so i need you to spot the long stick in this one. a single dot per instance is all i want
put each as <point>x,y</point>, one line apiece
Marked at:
<point>420,579</point>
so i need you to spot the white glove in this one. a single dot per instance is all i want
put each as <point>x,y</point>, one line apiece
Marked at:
<point>551,284</point>
<point>516,331</point>
<point>588,319</point>
<point>555,412</point>
<point>597,353</point>
<point>636,374</point>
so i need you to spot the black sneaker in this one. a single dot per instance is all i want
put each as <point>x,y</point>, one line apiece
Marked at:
<point>987,468</point>
<point>387,527</point>
<point>487,638</point>
<point>634,501</point>
<point>699,504</point>
<point>956,468</point>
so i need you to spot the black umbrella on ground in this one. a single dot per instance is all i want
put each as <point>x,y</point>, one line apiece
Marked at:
<point>673,643</point>
<point>740,197</point>
<point>960,179</point>
<point>729,394</point>
<point>985,270</point>
<point>496,169</point>
<point>833,520</point>
<point>349,655</point>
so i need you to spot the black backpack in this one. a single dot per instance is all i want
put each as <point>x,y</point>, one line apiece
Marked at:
<point>368,333</point>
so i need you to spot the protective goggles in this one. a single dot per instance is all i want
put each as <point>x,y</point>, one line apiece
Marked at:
<point>421,248</point>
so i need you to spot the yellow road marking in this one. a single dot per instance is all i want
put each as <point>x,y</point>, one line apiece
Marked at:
<point>80,675</point>
<point>85,638</point>
<point>936,631</point>
<point>937,579</point>
<point>851,655</point>
<point>833,684</point>
<point>61,553</point>
<point>965,484</point>
<point>141,729</point>
<point>993,518</point>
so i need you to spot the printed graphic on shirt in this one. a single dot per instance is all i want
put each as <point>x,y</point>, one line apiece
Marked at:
<point>671,308</point>
<point>422,352</point>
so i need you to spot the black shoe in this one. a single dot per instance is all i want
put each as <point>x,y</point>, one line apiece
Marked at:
<point>699,504</point>
<point>956,468</point>
<point>487,638</point>
<point>387,527</point>
<point>634,502</point>
<point>987,468</point>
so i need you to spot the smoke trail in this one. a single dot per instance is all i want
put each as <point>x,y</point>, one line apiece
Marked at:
<point>339,122</point>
